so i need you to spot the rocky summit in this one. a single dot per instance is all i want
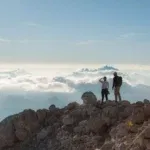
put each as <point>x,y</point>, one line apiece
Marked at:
<point>90,126</point>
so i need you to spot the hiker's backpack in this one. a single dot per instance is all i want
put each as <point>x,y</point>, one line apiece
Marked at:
<point>119,80</point>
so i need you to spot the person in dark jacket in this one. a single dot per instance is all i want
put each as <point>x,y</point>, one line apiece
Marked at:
<point>116,87</point>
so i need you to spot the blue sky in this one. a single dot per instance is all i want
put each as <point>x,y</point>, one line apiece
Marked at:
<point>75,31</point>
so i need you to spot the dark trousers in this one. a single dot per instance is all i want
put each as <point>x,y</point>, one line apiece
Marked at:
<point>104,93</point>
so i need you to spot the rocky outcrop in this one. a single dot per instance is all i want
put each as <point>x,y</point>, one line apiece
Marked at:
<point>89,98</point>
<point>91,126</point>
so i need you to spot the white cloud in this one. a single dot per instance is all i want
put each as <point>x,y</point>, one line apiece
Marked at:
<point>3,40</point>
<point>22,41</point>
<point>128,35</point>
<point>132,35</point>
<point>21,90</point>
<point>32,24</point>
<point>88,42</point>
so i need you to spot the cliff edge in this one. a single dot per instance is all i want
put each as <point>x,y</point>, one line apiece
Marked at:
<point>90,126</point>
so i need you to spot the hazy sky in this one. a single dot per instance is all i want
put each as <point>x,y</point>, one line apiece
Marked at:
<point>75,31</point>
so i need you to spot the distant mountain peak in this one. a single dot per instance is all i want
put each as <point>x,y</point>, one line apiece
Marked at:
<point>108,68</point>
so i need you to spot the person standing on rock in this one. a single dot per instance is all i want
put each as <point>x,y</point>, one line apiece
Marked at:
<point>117,83</point>
<point>105,87</point>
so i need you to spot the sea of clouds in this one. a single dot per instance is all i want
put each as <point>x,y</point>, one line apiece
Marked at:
<point>20,89</point>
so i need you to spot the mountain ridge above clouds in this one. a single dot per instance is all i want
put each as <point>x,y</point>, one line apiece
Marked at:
<point>103,68</point>
<point>106,67</point>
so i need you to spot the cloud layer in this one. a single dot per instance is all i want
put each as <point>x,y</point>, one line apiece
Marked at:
<point>20,89</point>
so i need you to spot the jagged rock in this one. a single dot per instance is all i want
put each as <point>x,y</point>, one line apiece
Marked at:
<point>8,119</point>
<point>81,128</point>
<point>89,98</point>
<point>107,146</point>
<point>133,129</point>
<point>41,114</point>
<point>125,103</point>
<point>83,123</point>
<point>147,144</point>
<point>126,112</point>
<point>120,146</point>
<point>7,135</point>
<point>78,129</point>
<point>91,111</point>
<point>109,103</point>
<point>99,139</point>
<point>138,118</point>
<point>121,131</point>
<point>21,134</point>
<point>96,125</point>
<point>45,132</point>
<point>77,115</point>
<point>138,115</point>
<point>146,101</point>
<point>51,119</point>
<point>117,134</point>
<point>73,105</point>
<point>136,147</point>
<point>67,120</point>
<point>147,133</point>
<point>147,111</point>
<point>110,115</point>
<point>27,120</point>
<point>111,126</point>
<point>139,104</point>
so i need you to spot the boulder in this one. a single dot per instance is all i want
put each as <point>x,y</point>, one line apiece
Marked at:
<point>139,104</point>
<point>27,120</point>
<point>110,115</point>
<point>147,133</point>
<point>21,134</point>
<point>147,144</point>
<point>83,123</point>
<point>51,120</point>
<point>96,125</point>
<point>79,129</point>
<point>138,115</point>
<point>52,107</point>
<point>146,101</point>
<point>7,135</point>
<point>41,114</point>
<point>89,98</point>
<point>92,111</point>
<point>136,147</point>
<point>111,126</point>
<point>121,131</point>
<point>44,133</point>
<point>125,103</point>
<point>109,103</point>
<point>77,115</point>
<point>138,118</point>
<point>133,129</point>
<point>72,106</point>
<point>147,111</point>
<point>126,112</point>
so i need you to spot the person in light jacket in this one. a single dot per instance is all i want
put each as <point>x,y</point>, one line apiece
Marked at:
<point>104,88</point>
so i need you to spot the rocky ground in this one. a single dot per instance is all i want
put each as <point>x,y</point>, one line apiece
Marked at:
<point>90,126</point>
